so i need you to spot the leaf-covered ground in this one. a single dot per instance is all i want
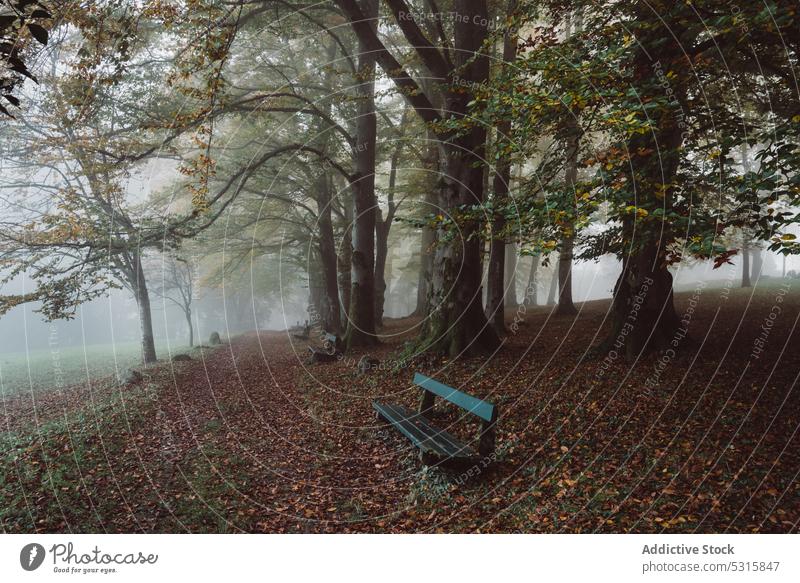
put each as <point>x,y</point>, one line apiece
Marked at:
<point>248,437</point>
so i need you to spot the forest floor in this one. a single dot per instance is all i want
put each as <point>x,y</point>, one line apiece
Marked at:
<point>248,437</point>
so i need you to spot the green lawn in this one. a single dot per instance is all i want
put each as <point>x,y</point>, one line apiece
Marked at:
<point>62,366</point>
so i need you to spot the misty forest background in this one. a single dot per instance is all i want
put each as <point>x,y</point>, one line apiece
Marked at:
<point>583,211</point>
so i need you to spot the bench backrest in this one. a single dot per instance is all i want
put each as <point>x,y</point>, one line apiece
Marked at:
<point>482,409</point>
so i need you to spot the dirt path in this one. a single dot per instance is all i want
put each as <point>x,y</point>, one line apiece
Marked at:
<point>256,401</point>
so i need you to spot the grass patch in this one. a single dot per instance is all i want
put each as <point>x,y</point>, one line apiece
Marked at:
<point>68,473</point>
<point>49,369</point>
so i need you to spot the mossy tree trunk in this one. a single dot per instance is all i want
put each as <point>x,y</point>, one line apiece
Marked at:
<point>745,263</point>
<point>138,283</point>
<point>498,283</point>
<point>316,290</point>
<point>566,252</point>
<point>512,261</point>
<point>553,290</point>
<point>643,309</point>
<point>383,227</point>
<point>361,329</point>
<point>344,259</point>
<point>495,279</point>
<point>426,248</point>
<point>532,289</point>
<point>188,314</point>
<point>456,323</point>
<point>329,312</point>
<point>756,263</point>
<point>328,315</point>
<point>567,247</point>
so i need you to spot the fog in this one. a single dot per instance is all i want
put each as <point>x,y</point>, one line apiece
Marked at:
<point>233,309</point>
<point>114,319</point>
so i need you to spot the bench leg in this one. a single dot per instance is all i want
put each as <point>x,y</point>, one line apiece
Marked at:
<point>487,439</point>
<point>427,458</point>
<point>426,402</point>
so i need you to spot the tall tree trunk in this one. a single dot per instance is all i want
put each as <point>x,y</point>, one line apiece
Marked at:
<point>756,263</point>
<point>551,294</point>
<point>345,260</point>
<point>496,281</point>
<point>745,262</point>
<point>565,255</point>
<point>191,327</point>
<point>457,324</point>
<point>142,296</point>
<point>643,310</point>
<point>388,277</point>
<point>746,279</point>
<point>329,313</point>
<point>381,253</point>
<point>361,324</point>
<point>329,306</point>
<point>427,240</point>
<point>532,290</point>
<point>382,228</point>
<point>565,303</point>
<point>566,252</point>
<point>512,260</point>
<point>426,248</point>
<point>316,290</point>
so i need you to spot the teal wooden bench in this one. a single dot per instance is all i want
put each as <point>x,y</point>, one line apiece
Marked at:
<point>435,443</point>
<point>301,332</point>
<point>331,343</point>
<point>330,351</point>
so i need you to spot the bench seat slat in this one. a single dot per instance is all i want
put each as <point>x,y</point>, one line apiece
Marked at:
<point>420,431</point>
<point>425,436</point>
<point>415,427</point>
